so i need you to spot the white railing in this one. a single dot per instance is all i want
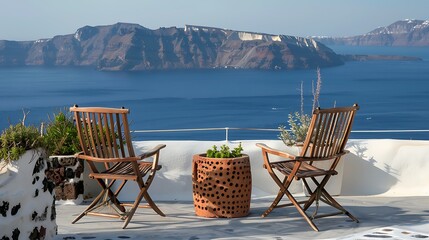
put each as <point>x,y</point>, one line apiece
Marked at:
<point>226,129</point>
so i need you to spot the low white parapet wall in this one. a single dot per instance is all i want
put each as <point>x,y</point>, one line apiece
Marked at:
<point>373,167</point>
<point>386,167</point>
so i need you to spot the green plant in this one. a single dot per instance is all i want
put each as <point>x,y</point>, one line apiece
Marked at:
<point>18,138</point>
<point>61,135</point>
<point>299,122</point>
<point>224,152</point>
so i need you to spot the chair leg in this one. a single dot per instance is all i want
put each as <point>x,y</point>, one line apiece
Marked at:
<point>152,204</point>
<point>314,194</point>
<point>301,211</point>
<point>111,195</point>
<point>338,206</point>
<point>120,187</point>
<point>283,191</point>
<point>130,214</point>
<point>97,202</point>
<point>146,185</point>
<point>274,204</point>
<point>143,193</point>
<point>330,200</point>
<point>90,207</point>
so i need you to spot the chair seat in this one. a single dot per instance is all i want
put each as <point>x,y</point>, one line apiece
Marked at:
<point>305,170</point>
<point>124,170</point>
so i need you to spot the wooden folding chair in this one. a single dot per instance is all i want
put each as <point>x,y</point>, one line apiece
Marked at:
<point>325,141</point>
<point>105,138</point>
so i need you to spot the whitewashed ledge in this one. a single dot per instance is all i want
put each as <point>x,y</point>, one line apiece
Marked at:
<point>386,167</point>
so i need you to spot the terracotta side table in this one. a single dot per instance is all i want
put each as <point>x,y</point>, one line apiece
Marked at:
<point>222,187</point>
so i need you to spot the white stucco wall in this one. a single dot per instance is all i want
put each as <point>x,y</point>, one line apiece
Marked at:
<point>387,167</point>
<point>25,198</point>
<point>374,167</point>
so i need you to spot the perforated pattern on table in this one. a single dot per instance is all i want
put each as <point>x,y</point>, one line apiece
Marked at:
<point>221,186</point>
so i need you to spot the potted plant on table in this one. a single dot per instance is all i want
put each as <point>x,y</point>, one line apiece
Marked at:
<point>27,206</point>
<point>222,182</point>
<point>64,169</point>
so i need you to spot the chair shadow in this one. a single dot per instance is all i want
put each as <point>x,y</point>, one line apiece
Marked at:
<point>362,177</point>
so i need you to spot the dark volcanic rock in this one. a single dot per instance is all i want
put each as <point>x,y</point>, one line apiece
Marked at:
<point>400,33</point>
<point>13,53</point>
<point>124,46</point>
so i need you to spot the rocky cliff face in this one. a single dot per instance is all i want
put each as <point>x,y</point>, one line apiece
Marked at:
<point>125,46</point>
<point>400,33</point>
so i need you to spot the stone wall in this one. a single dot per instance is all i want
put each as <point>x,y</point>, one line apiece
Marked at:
<point>67,174</point>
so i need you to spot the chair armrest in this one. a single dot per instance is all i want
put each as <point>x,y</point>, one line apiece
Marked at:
<point>97,159</point>
<point>76,155</point>
<point>276,152</point>
<point>152,151</point>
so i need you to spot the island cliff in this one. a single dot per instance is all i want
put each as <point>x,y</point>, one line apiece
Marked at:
<point>131,47</point>
<point>400,33</point>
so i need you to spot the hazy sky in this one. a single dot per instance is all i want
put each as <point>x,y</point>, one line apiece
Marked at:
<point>32,19</point>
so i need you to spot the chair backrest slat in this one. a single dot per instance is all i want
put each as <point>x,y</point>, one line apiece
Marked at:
<point>95,135</point>
<point>349,127</point>
<point>104,132</point>
<point>328,132</point>
<point>102,136</point>
<point>89,134</point>
<point>81,129</point>
<point>119,126</point>
<point>127,136</point>
<point>344,125</point>
<point>112,132</point>
<point>109,139</point>
<point>334,139</point>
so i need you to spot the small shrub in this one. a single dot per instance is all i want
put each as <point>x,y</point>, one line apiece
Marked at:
<point>224,152</point>
<point>18,138</point>
<point>299,122</point>
<point>61,135</point>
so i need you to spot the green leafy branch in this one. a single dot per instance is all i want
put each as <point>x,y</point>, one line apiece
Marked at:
<point>224,152</point>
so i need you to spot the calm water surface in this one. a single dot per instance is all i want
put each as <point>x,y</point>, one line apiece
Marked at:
<point>392,95</point>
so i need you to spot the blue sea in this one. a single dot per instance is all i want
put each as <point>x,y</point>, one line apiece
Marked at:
<point>393,95</point>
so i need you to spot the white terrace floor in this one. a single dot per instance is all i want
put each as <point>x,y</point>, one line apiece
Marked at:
<point>380,218</point>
